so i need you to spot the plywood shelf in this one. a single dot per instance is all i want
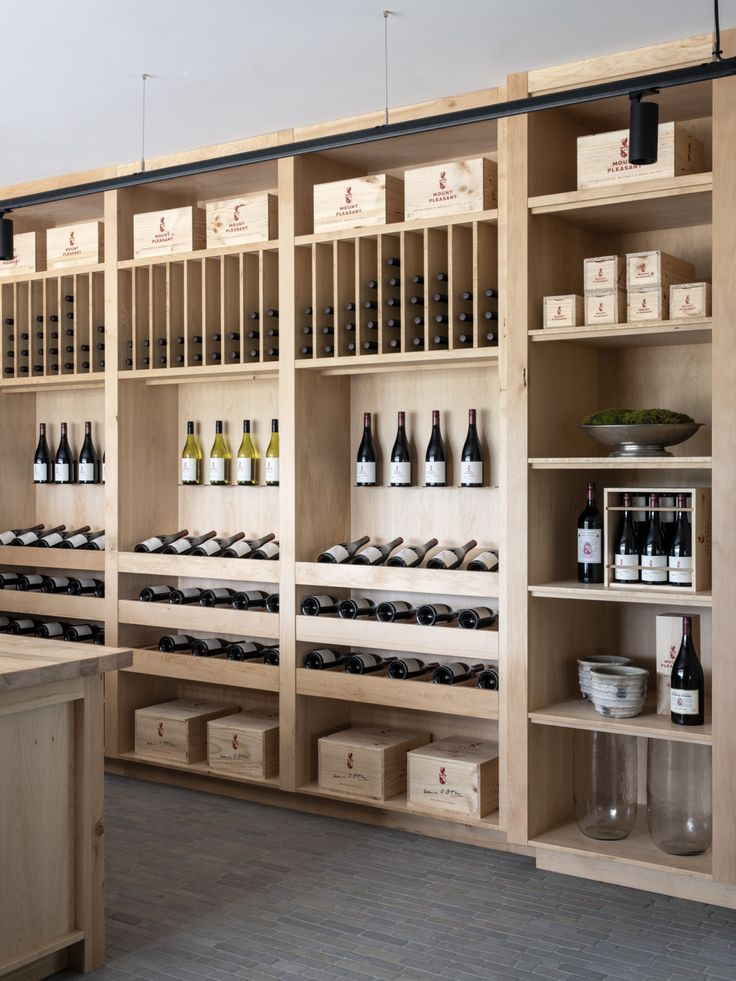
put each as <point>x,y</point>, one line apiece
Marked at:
<point>571,589</point>
<point>198,768</point>
<point>83,560</point>
<point>206,670</point>
<point>52,605</point>
<point>419,224</point>
<point>202,373</point>
<point>366,363</point>
<point>456,582</point>
<point>270,245</point>
<point>55,383</point>
<point>45,274</point>
<point>620,463</point>
<point>579,714</point>
<point>197,566</point>
<point>664,332</point>
<point>215,621</point>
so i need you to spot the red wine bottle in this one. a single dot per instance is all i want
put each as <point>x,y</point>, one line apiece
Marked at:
<point>455,673</point>
<point>432,613</point>
<point>10,536</point>
<point>87,587</point>
<point>392,610</point>
<point>270,550</point>
<point>366,663</point>
<point>245,650</point>
<point>22,626</point>
<point>483,562</point>
<point>323,658</point>
<point>365,467</point>
<point>246,599</point>
<point>175,643</point>
<point>209,647</point>
<point>28,583</point>
<point>680,557</point>
<point>376,554</point>
<point>315,606</point>
<point>687,695</point>
<point>50,630</point>
<point>9,579</point>
<point>81,633</point>
<point>55,539</point>
<point>157,543</point>
<point>476,617</point>
<point>590,541</point>
<point>451,558</point>
<point>342,553</point>
<point>156,594</point>
<point>401,456</point>
<point>88,467</point>
<point>654,554</point>
<point>434,458</point>
<point>471,458</point>
<point>352,609</point>
<point>186,595</point>
<point>273,601</point>
<point>56,584</point>
<point>625,552</point>
<point>409,667</point>
<point>42,467</point>
<point>272,656</point>
<point>412,556</point>
<point>63,461</point>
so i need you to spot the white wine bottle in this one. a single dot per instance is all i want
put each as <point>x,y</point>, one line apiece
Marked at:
<point>324,658</point>
<point>220,458</point>
<point>157,542</point>
<point>451,558</point>
<point>339,554</point>
<point>272,456</point>
<point>191,458</point>
<point>246,468</point>
<point>243,548</point>
<point>376,554</point>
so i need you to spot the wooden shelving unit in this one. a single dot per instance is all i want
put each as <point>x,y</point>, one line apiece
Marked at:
<point>531,387</point>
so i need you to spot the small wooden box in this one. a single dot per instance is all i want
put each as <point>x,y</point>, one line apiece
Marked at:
<point>360,201</point>
<point>29,255</point>
<point>454,776</point>
<point>75,245</point>
<point>689,300</point>
<point>451,188</point>
<point>562,311</point>
<point>167,232</point>
<point>649,304</point>
<point>668,638</point>
<point>237,221</point>
<point>604,273</point>
<point>655,269</point>
<point>602,309</point>
<point>603,158</point>
<point>700,528</point>
<point>244,745</point>
<point>177,730</point>
<point>367,761</point>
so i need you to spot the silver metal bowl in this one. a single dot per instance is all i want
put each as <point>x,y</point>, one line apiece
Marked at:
<point>643,439</point>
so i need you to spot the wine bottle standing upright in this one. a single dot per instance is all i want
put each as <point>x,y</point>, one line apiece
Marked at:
<point>625,552</point>
<point>365,467</point>
<point>401,456</point>
<point>88,467</point>
<point>273,467</point>
<point>471,458</point>
<point>191,458</point>
<point>220,457</point>
<point>42,469</point>
<point>687,695</point>
<point>246,469</point>
<point>654,555</point>
<point>590,541</point>
<point>680,562</point>
<point>63,461</point>
<point>434,458</point>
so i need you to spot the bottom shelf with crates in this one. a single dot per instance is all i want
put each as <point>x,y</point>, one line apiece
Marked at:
<point>201,768</point>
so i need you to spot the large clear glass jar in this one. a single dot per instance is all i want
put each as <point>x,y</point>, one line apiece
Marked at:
<point>679,796</point>
<point>605,781</point>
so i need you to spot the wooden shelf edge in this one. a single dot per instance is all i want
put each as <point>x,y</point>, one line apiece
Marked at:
<point>195,566</point>
<point>694,330</point>
<point>413,225</point>
<point>203,373</point>
<point>267,245</point>
<point>42,274</point>
<point>52,558</point>
<point>410,638</point>
<point>366,363</point>
<point>620,463</point>
<point>55,383</point>
<point>167,617</point>
<point>454,583</point>
<point>198,768</point>
<point>621,193</point>
<point>579,714</point>
<point>208,670</point>
<point>573,590</point>
<point>39,952</point>
<point>52,605</point>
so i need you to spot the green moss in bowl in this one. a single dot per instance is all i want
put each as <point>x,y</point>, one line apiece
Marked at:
<point>636,417</point>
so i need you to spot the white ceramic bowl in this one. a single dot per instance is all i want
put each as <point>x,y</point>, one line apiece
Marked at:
<point>619,691</point>
<point>590,661</point>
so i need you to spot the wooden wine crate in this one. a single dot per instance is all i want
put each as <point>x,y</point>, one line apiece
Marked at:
<point>603,158</point>
<point>454,776</point>
<point>367,761</point>
<point>176,730</point>
<point>237,221</point>
<point>563,311</point>
<point>604,273</point>
<point>244,745</point>
<point>29,255</point>
<point>451,188</point>
<point>360,201</point>
<point>602,309</point>
<point>81,244</point>
<point>167,232</point>
<point>668,637</point>
<point>700,526</point>
<point>655,269</point>
<point>648,304</point>
<point>689,300</point>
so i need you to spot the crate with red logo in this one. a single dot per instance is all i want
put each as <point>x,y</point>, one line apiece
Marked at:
<point>238,221</point>
<point>167,232</point>
<point>176,731</point>
<point>74,245</point>
<point>451,188</point>
<point>454,776</point>
<point>603,158</point>
<point>367,761</point>
<point>244,745</point>
<point>357,202</point>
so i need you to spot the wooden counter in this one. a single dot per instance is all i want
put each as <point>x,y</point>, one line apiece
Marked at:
<point>51,805</point>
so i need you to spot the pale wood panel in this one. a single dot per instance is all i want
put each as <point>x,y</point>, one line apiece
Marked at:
<point>26,661</point>
<point>579,714</point>
<point>427,581</point>
<point>208,670</point>
<point>232,622</point>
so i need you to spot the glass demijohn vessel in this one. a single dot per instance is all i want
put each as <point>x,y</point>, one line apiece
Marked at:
<point>605,780</point>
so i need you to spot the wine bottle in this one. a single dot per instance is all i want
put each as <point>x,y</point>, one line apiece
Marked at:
<point>156,594</point>
<point>9,579</point>
<point>391,610</point>
<point>433,613</point>
<point>411,556</point>
<point>246,469</point>
<point>476,617</point>
<point>653,559</point>
<point>342,553</point>
<point>272,656</point>
<point>157,542</point>
<point>687,695</point>
<point>186,595</point>
<point>324,658</point>
<point>217,596</point>
<point>88,468</point>
<point>81,633</point>
<point>55,539</point>
<point>191,458</point>
<point>216,546</point>
<point>352,609</point>
<point>401,456</point>
<point>451,558</point>
<point>4,623</point>
<point>185,546</point>
<point>95,541</point>
<point>220,457</point>
<point>590,541</point>
<point>625,552</point>
<point>87,587</point>
<point>248,599</point>
<point>365,467</point>
<point>50,630</point>
<point>22,626</point>
<point>243,547</point>
<point>82,539</point>
<point>488,679</point>
<point>268,551</point>
<point>42,468</point>
<point>680,557</point>
<point>376,554</point>
<point>28,583</point>
<point>273,467</point>
<point>273,602</point>
<point>409,667</point>
<point>434,459</point>
<point>174,643</point>
<point>667,520</point>
<point>63,461</point>
<point>455,673</point>
<point>209,647</point>
<point>314,606</point>
<point>366,663</point>
<point>471,458</point>
<point>24,536</point>
<point>484,562</point>
<point>245,650</point>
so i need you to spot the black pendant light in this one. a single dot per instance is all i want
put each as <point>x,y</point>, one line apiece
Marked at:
<point>6,238</point>
<point>643,129</point>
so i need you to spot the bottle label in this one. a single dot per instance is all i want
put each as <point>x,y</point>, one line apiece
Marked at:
<point>412,664</point>
<point>24,624</point>
<point>76,541</point>
<point>471,472</point>
<point>61,473</point>
<point>681,570</point>
<point>210,644</point>
<point>365,473</point>
<point>434,473</point>
<point>589,545</point>
<point>626,568</point>
<point>190,591</point>
<point>489,560</point>
<point>667,517</point>
<point>6,537</point>
<point>684,702</point>
<point>327,656</point>
<point>27,538</point>
<point>241,548</point>
<point>372,554</point>
<point>86,473</point>
<point>455,669</point>
<point>269,550</point>
<point>369,660</point>
<point>339,553</point>
<point>180,545</point>
<point>189,470</point>
<point>152,544</point>
<point>98,543</point>
<point>244,469</point>
<point>447,558</point>
<point>210,546</point>
<point>401,474</point>
<point>53,539</point>
<point>84,631</point>
<point>40,473</point>
<point>54,630</point>
<point>217,469</point>
<point>272,469</point>
<point>654,568</point>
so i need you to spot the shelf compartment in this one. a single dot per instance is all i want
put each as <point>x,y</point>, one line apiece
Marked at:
<point>570,589</point>
<point>208,670</point>
<point>198,768</point>
<point>52,558</point>
<point>52,605</point>
<point>664,332</point>
<point>169,617</point>
<point>409,638</point>
<point>350,365</point>
<point>672,202</point>
<point>196,566</point>
<point>464,700</point>
<point>579,714</point>
<point>436,581</point>
<point>620,463</point>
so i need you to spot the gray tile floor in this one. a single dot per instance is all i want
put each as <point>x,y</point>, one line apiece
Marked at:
<point>202,887</point>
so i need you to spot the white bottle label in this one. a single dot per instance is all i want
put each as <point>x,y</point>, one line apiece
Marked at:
<point>152,544</point>
<point>339,553</point>
<point>372,553</point>
<point>84,631</point>
<point>188,470</point>
<point>180,545</point>
<point>210,644</point>
<point>654,568</point>
<point>272,469</point>
<point>76,541</point>
<point>28,537</point>
<point>53,539</point>
<point>681,570</point>
<point>244,469</point>
<point>627,568</point>
<point>489,560</point>
<point>86,473</point>
<point>369,660</point>
<point>455,669</point>
<point>103,471</point>
<point>471,472</point>
<point>6,537</point>
<point>408,555</point>
<point>54,630</point>
<point>241,548</point>
<point>434,473</point>
<point>412,664</point>
<point>217,469</point>
<point>365,473</point>
<point>269,550</point>
<point>401,474</point>
<point>61,473</point>
<point>684,702</point>
<point>328,656</point>
<point>447,558</point>
<point>99,543</point>
<point>40,473</point>
<point>589,544</point>
<point>210,546</point>
<point>24,624</point>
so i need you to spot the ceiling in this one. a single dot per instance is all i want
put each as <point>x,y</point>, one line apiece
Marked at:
<point>224,69</point>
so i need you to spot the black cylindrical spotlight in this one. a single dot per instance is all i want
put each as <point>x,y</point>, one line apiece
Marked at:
<point>643,131</point>
<point>6,238</point>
